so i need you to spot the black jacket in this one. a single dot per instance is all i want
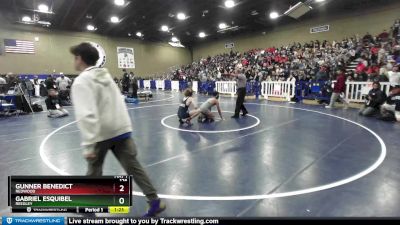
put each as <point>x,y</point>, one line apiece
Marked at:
<point>51,103</point>
<point>375,98</point>
<point>50,84</point>
<point>134,84</point>
<point>394,100</point>
<point>125,80</point>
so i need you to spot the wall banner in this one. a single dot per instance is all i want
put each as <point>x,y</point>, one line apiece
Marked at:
<point>230,45</point>
<point>126,58</point>
<point>319,29</point>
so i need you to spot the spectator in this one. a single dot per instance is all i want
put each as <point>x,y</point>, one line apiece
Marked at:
<point>375,98</point>
<point>322,74</point>
<point>30,90</point>
<point>390,64</point>
<point>338,90</point>
<point>394,77</point>
<point>50,83</point>
<point>53,105</point>
<point>372,70</point>
<point>383,36</point>
<point>291,79</point>
<point>135,88</point>
<point>36,86</point>
<point>392,106</point>
<point>36,80</point>
<point>395,29</point>
<point>2,80</point>
<point>125,81</point>
<point>11,80</point>
<point>3,83</point>
<point>368,38</point>
<point>43,89</point>
<point>63,83</point>
<point>374,53</point>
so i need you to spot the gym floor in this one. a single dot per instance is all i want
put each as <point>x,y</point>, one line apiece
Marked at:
<point>284,160</point>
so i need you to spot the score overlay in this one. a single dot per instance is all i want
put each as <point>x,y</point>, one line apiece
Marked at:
<point>78,194</point>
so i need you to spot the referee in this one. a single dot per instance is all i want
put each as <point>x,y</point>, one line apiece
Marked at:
<point>241,92</point>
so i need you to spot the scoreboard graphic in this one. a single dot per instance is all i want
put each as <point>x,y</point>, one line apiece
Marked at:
<point>77,194</point>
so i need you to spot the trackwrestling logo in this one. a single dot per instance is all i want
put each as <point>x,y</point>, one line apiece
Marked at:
<point>33,221</point>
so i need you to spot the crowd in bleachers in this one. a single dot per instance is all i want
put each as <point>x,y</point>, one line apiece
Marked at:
<point>376,57</point>
<point>357,58</point>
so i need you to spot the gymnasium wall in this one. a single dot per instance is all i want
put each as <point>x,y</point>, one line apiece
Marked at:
<point>358,22</point>
<point>52,52</point>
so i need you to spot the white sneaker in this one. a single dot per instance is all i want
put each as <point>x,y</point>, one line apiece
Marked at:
<point>328,107</point>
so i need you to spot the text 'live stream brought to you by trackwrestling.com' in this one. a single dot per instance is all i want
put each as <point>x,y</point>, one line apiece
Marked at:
<point>140,221</point>
<point>105,221</point>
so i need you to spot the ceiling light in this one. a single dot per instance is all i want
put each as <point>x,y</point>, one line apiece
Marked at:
<point>181,16</point>
<point>43,8</point>
<point>273,15</point>
<point>222,26</point>
<point>164,28</point>
<point>174,39</point>
<point>26,19</point>
<point>176,44</point>
<point>114,19</point>
<point>202,34</point>
<point>90,27</point>
<point>119,2</point>
<point>319,0</point>
<point>229,3</point>
<point>139,34</point>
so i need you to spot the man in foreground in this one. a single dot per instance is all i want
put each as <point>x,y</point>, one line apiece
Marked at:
<point>104,122</point>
